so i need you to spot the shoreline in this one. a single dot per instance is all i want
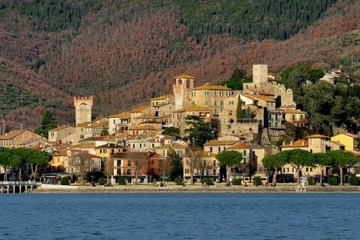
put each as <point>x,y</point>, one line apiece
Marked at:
<point>219,188</point>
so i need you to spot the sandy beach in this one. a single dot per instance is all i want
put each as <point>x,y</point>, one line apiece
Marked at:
<point>197,188</point>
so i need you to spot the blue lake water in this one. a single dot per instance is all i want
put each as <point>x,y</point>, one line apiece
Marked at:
<point>180,216</point>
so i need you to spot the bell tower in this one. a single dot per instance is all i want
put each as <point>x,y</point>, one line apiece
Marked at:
<point>83,107</point>
<point>182,90</point>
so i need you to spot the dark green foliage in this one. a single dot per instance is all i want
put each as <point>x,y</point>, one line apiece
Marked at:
<point>326,104</point>
<point>229,158</point>
<point>257,181</point>
<point>178,180</point>
<point>176,164</point>
<point>13,97</point>
<point>236,80</point>
<point>208,181</point>
<point>121,180</point>
<point>198,131</point>
<point>171,131</point>
<point>56,15</point>
<point>311,181</point>
<point>65,181</point>
<point>236,181</point>
<point>102,181</point>
<point>48,122</point>
<point>354,181</point>
<point>279,19</point>
<point>333,181</point>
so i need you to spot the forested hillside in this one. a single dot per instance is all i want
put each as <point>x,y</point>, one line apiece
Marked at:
<point>123,52</point>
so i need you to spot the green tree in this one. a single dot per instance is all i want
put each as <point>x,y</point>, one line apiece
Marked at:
<point>229,159</point>
<point>172,131</point>
<point>5,158</point>
<point>274,162</point>
<point>199,131</point>
<point>299,158</point>
<point>176,164</point>
<point>36,158</point>
<point>239,111</point>
<point>48,122</point>
<point>342,159</point>
<point>323,160</point>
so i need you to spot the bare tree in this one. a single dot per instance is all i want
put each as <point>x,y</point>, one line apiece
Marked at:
<point>165,167</point>
<point>193,160</point>
<point>82,163</point>
<point>139,161</point>
<point>109,169</point>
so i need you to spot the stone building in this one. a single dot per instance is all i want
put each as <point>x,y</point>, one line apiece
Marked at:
<point>83,106</point>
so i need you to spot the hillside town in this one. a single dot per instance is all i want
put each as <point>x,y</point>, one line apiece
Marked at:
<point>138,145</point>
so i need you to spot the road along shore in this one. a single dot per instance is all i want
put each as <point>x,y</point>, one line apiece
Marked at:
<point>171,188</point>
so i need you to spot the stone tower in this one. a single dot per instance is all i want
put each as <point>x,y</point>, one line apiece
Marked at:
<point>182,90</point>
<point>260,74</point>
<point>83,109</point>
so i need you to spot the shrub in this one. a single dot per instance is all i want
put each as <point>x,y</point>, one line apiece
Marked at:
<point>236,181</point>
<point>178,181</point>
<point>121,181</point>
<point>333,181</point>
<point>65,181</point>
<point>257,181</point>
<point>101,181</point>
<point>208,181</point>
<point>354,181</point>
<point>311,181</point>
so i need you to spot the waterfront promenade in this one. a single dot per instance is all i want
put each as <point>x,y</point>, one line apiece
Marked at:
<point>197,188</point>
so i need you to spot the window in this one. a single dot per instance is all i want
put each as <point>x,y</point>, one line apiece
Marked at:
<point>244,152</point>
<point>187,170</point>
<point>211,149</point>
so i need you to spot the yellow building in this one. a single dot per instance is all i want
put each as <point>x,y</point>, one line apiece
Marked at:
<point>350,141</point>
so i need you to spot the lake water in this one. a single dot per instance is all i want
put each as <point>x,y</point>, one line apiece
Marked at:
<point>180,216</point>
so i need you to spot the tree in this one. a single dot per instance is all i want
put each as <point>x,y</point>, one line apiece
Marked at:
<point>82,163</point>
<point>109,169</point>
<point>176,164</point>
<point>229,159</point>
<point>239,111</point>
<point>138,160</point>
<point>165,167</point>
<point>323,160</point>
<point>342,159</point>
<point>299,158</point>
<point>5,156</point>
<point>199,132</point>
<point>193,160</point>
<point>172,131</point>
<point>274,161</point>
<point>36,158</point>
<point>48,122</point>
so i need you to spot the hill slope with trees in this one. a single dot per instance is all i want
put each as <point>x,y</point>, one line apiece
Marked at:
<point>53,50</point>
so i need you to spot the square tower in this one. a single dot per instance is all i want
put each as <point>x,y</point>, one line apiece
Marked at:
<point>182,89</point>
<point>260,74</point>
<point>83,107</point>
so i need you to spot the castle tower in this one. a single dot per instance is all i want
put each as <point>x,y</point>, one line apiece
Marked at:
<point>260,74</point>
<point>83,109</point>
<point>182,90</point>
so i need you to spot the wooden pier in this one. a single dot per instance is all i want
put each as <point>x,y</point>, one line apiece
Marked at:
<point>18,186</point>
